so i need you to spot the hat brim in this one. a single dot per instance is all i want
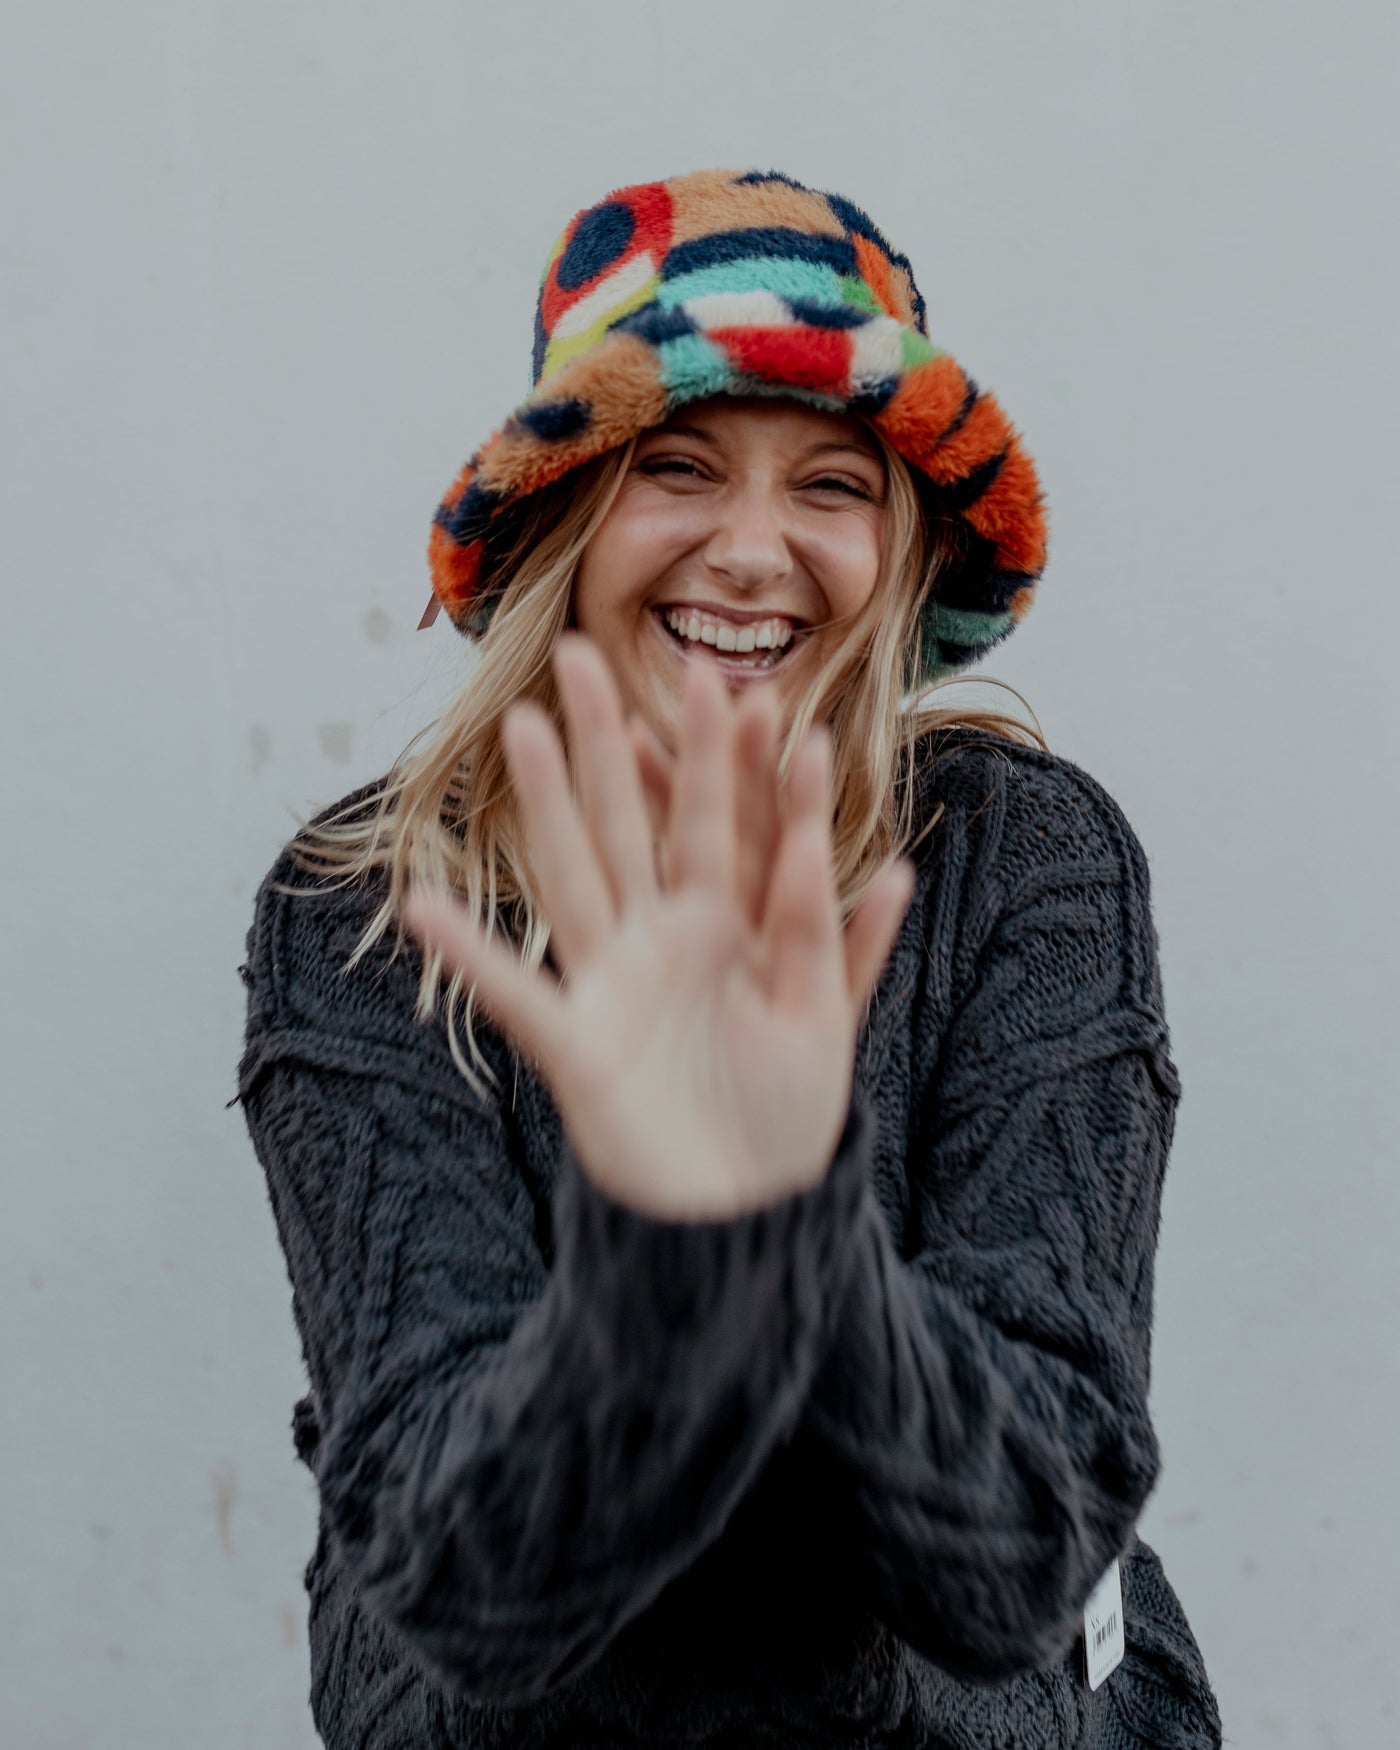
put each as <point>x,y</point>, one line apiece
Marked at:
<point>968,461</point>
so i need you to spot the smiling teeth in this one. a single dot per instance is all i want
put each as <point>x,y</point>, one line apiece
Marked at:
<point>742,640</point>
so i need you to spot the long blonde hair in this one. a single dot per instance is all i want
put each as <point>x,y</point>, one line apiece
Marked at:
<point>445,813</point>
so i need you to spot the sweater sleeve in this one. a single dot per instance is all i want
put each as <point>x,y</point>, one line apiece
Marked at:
<point>513,1459</point>
<point>987,1396</point>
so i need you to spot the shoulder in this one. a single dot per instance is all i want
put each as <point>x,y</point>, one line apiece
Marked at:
<point>329,979</point>
<point>304,926</point>
<point>1015,814</point>
<point>333,992</point>
<point>1027,857</point>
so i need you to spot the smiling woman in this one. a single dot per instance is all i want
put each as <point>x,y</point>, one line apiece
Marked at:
<point>746,1337</point>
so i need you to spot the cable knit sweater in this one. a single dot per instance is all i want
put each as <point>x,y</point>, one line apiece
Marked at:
<point>842,1471</point>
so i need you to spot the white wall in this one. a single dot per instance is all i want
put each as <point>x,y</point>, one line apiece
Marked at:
<point>268,275</point>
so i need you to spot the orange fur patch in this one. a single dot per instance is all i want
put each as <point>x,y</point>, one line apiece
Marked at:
<point>977,440</point>
<point>875,271</point>
<point>709,201</point>
<point>454,569</point>
<point>923,406</point>
<point>1011,513</point>
<point>618,379</point>
<point>902,290</point>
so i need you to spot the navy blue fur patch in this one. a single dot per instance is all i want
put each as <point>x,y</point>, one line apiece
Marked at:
<point>828,315</point>
<point>541,342</point>
<point>777,241</point>
<point>978,585</point>
<point>969,401</point>
<point>555,419</point>
<point>602,235</point>
<point>961,495</point>
<point>771,176</point>
<point>466,520</point>
<point>869,401</point>
<point>655,324</point>
<point>957,655</point>
<point>856,219</point>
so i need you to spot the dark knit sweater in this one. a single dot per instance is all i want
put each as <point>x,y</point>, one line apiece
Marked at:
<point>842,1471</point>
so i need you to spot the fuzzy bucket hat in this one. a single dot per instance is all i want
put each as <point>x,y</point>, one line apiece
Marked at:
<point>747,282</point>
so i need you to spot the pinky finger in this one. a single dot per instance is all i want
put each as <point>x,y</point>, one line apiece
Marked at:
<point>527,1005</point>
<point>873,927</point>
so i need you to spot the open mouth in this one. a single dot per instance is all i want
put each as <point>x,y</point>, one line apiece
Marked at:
<point>735,662</point>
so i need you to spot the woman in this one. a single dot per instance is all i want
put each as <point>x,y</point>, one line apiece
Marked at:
<point>721,1219</point>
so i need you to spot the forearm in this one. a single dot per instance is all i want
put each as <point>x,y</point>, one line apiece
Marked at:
<point>513,1521</point>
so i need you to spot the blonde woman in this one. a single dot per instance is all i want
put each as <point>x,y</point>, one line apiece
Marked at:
<point>715,1100</point>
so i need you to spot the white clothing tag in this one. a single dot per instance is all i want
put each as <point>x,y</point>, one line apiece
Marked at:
<point>1103,1627</point>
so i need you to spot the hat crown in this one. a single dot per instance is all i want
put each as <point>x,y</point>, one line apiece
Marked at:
<point>667,259</point>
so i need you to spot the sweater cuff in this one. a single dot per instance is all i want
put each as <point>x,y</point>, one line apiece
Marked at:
<point>732,1295</point>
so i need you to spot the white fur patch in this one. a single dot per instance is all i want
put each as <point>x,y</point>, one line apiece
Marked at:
<point>756,309</point>
<point>877,353</point>
<point>614,290</point>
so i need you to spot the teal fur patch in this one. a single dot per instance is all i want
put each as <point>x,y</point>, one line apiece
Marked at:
<point>966,626</point>
<point>693,367</point>
<point>788,279</point>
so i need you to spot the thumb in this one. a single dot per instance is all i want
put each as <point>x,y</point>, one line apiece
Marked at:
<point>873,927</point>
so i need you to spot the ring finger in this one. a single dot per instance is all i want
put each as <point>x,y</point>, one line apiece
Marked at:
<point>613,803</point>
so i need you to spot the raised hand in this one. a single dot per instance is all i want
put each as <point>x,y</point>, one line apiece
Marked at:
<point>700,1043</point>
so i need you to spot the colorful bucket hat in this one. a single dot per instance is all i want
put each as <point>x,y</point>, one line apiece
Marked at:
<point>747,282</point>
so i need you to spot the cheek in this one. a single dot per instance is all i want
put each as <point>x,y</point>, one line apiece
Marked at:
<point>847,564</point>
<point>628,556</point>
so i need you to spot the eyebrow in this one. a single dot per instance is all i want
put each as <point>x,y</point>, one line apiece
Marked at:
<point>869,451</point>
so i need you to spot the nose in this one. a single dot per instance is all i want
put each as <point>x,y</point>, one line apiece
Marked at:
<point>748,546</point>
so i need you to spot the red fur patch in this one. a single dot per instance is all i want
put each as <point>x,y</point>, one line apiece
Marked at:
<point>807,358</point>
<point>650,205</point>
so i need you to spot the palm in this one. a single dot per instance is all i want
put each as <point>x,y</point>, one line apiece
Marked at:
<point>699,1045</point>
<point>681,1055</point>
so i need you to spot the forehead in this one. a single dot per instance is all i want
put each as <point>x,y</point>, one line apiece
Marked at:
<point>770,419</point>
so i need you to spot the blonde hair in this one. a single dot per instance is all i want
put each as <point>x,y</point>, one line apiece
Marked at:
<point>445,813</point>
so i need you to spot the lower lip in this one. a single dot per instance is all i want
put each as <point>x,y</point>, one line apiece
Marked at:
<point>738,673</point>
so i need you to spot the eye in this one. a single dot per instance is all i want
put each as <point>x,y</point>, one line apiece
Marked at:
<point>668,465</point>
<point>836,483</point>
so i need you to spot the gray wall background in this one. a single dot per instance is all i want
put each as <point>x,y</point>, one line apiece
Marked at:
<point>268,277</point>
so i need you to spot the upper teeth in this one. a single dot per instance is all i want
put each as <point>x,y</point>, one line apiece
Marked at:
<point>706,629</point>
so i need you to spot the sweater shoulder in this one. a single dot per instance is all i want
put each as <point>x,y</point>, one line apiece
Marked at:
<point>329,980</point>
<point>1026,856</point>
<point>306,925</point>
<point>1019,812</point>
